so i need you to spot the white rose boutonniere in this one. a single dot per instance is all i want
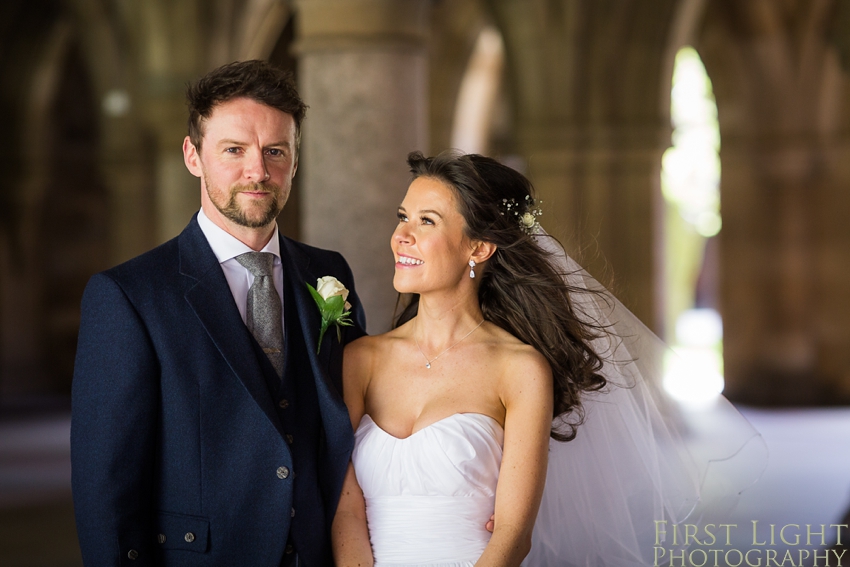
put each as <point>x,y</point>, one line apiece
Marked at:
<point>330,296</point>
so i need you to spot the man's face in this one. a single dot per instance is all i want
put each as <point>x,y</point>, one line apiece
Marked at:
<point>246,163</point>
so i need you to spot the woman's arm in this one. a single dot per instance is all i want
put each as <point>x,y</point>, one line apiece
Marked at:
<point>349,533</point>
<point>526,392</point>
<point>350,536</point>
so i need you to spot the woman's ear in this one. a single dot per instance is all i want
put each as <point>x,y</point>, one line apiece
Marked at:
<point>481,251</point>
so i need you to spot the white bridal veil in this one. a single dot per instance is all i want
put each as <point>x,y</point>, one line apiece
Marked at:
<point>641,462</point>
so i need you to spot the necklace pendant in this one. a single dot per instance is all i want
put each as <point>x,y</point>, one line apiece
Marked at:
<point>428,365</point>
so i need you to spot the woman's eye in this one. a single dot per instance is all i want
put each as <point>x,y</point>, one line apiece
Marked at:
<point>427,220</point>
<point>402,217</point>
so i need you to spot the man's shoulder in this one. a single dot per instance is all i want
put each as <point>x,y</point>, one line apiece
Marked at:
<point>143,280</point>
<point>148,265</point>
<point>188,252</point>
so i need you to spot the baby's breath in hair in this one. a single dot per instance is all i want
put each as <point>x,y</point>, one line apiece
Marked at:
<point>526,214</point>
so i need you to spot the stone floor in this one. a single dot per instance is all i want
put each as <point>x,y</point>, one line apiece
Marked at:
<point>36,512</point>
<point>807,481</point>
<point>39,535</point>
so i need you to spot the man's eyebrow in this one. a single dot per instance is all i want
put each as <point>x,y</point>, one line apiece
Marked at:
<point>229,142</point>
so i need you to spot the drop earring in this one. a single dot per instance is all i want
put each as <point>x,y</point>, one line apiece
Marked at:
<point>472,268</point>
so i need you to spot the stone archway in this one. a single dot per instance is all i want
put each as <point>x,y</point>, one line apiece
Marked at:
<point>54,230</point>
<point>784,244</point>
<point>587,81</point>
<point>455,28</point>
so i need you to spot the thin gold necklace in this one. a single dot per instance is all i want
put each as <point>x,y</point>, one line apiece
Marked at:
<point>428,362</point>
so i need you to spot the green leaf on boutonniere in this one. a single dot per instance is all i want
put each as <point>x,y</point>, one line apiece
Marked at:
<point>332,311</point>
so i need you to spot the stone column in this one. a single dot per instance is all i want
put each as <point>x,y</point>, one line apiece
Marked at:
<point>177,191</point>
<point>363,72</point>
<point>590,103</point>
<point>127,174</point>
<point>602,199</point>
<point>783,289</point>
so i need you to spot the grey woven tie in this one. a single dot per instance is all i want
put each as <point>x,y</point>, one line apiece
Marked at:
<point>263,314</point>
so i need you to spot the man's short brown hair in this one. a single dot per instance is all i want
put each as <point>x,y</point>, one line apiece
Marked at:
<point>257,80</point>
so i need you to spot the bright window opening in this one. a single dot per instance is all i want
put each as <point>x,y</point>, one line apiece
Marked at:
<point>690,182</point>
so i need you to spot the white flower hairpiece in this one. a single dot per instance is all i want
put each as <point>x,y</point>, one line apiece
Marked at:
<point>527,218</point>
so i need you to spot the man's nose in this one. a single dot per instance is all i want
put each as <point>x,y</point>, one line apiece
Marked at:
<point>255,169</point>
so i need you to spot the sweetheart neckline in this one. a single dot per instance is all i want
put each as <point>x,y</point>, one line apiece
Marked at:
<point>432,424</point>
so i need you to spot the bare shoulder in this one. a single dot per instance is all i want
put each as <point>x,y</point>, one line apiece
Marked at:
<point>523,368</point>
<point>358,358</point>
<point>514,354</point>
<point>362,347</point>
<point>361,354</point>
<point>368,345</point>
<point>359,363</point>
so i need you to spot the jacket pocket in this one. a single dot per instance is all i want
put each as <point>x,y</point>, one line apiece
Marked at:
<point>182,531</point>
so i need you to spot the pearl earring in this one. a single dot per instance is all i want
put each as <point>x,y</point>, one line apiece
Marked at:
<point>472,268</point>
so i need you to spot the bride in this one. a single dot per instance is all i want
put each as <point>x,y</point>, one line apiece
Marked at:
<point>502,353</point>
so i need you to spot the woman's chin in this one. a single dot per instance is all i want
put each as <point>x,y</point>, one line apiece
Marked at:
<point>404,288</point>
<point>404,285</point>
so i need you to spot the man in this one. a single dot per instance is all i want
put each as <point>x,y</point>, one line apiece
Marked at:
<point>206,428</point>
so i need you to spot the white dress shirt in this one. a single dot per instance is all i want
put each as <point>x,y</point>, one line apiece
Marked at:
<point>226,248</point>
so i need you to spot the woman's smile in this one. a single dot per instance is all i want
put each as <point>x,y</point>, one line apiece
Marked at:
<point>408,261</point>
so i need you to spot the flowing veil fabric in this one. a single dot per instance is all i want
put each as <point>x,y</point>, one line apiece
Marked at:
<point>642,464</point>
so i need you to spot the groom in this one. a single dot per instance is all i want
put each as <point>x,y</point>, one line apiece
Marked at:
<point>206,428</point>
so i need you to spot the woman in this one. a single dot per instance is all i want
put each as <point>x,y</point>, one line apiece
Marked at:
<point>454,408</point>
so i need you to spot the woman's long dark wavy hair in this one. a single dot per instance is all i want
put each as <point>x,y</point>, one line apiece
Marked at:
<point>520,291</point>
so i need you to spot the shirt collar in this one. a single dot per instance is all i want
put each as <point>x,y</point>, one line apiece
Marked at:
<point>225,246</point>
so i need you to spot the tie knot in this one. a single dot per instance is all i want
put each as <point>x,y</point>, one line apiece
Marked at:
<point>258,263</point>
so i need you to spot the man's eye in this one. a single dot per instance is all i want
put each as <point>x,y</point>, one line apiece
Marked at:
<point>232,150</point>
<point>275,152</point>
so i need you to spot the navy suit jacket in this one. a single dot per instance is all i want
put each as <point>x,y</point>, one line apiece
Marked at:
<point>177,442</point>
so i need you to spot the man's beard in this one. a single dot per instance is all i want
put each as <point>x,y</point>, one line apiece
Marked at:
<point>233,212</point>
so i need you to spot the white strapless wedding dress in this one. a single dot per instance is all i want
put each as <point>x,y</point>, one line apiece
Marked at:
<point>428,496</point>
<point>642,462</point>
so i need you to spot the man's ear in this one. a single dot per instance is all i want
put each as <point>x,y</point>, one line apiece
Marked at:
<point>482,251</point>
<point>192,157</point>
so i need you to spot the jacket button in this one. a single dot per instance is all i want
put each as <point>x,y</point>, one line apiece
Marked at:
<point>289,438</point>
<point>132,555</point>
<point>189,537</point>
<point>292,513</point>
<point>282,473</point>
<point>289,549</point>
<point>284,403</point>
<point>160,538</point>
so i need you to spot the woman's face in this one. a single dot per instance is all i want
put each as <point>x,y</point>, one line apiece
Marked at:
<point>430,248</point>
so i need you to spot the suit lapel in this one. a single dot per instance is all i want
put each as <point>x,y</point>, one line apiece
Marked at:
<point>297,270</point>
<point>297,267</point>
<point>211,300</point>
